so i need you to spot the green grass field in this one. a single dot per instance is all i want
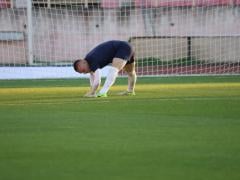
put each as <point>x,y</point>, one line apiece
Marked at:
<point>185,128</point>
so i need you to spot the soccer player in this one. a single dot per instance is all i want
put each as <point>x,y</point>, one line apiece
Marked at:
<point>115,54</point>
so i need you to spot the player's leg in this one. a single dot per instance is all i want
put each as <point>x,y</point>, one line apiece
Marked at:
<point>132,78</point>
<point>117,65</point>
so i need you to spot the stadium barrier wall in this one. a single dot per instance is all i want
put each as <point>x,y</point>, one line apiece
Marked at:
<point>51,44</point>
<point>8,73</point>
<point>211,49</point>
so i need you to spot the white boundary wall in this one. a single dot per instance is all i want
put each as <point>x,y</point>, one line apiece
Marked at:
<point>42,73</point>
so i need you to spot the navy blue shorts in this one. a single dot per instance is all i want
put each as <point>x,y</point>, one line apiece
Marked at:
<point>125,52</point>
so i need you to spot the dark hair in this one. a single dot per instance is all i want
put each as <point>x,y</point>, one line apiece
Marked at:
<point>75,64</point>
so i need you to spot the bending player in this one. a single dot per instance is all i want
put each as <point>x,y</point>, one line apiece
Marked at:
<point>118,55</point>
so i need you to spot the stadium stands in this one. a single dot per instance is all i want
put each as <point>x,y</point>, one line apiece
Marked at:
<point>137,3</point>
<point>182,3</point>
<point>236,2</point>
<point>167,3</point>
<point>117,3</point>
<point>5,4</point>
<point>213,2</point>
<point>49,3</point>
<point>110,3</point>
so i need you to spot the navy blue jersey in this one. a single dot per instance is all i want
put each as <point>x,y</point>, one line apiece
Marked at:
<point>103,54</point>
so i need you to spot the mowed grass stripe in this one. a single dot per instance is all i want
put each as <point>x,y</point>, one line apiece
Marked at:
<point>6,91</point>
<point>153,92</point>
<point>98,101</point>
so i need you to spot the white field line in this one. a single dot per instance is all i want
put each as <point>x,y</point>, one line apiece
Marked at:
<point>49,102</point>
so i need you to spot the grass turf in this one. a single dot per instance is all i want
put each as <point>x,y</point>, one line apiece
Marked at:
<point>175,128</point>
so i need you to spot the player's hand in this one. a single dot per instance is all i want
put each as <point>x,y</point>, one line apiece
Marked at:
<point>90,95</point>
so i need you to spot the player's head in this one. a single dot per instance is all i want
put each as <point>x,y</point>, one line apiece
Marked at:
<point>81,66</point>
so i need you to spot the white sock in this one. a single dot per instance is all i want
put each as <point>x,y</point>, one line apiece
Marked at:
<point>111,77</point>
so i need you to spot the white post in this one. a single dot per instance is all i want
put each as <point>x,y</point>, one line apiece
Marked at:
<point>29,32</point>
<point>86,4</point>
<point>11,4</point>
<point>49,4</point>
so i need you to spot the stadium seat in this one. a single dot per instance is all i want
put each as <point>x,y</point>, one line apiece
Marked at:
<point>212,2</point>
<point>236,2</point>
<point>5,4</point>
<point>110,4</point>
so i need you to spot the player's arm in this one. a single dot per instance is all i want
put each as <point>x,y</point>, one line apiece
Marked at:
<point>95,81</point>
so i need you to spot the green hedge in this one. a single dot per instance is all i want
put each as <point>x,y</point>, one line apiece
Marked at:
<point>151,61</point>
